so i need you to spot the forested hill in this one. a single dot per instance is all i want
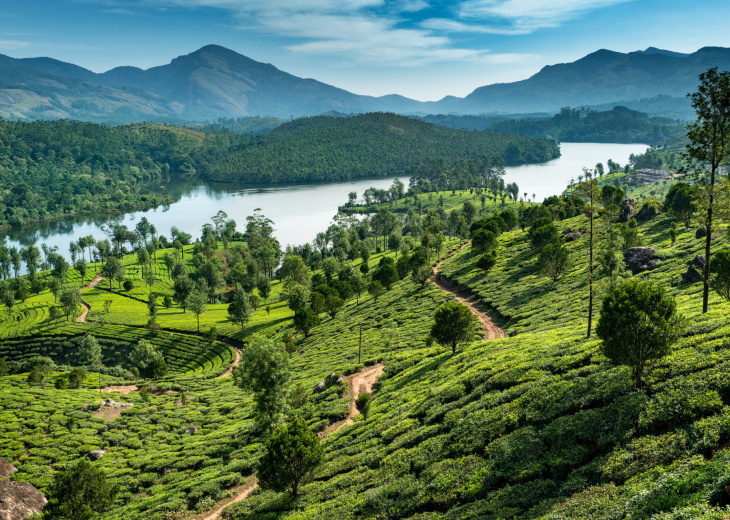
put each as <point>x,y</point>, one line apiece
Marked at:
<point>619,125</point>
<point>325,148</point>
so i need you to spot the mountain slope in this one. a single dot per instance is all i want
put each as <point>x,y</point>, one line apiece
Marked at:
<point>215,82</point>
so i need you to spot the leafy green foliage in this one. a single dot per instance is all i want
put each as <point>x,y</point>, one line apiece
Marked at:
<point>553,261</point>
<point>292,454</point>
<point>79,493</point>
<point>638,323</point>
<point>454,323</point>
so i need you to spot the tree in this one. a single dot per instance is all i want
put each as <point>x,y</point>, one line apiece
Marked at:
<point>375,288</point>
<point>76,377</point>
<point>386,273</point>
<point>148,359</point>
<point>81,492</point>
<point>708,149</point>
<point>196,302</point>
<point>362,403</point>
<point>680,202</point>
<point>264,371</point>
<point>454,323</point>
<point>291,456</point>
<point>305,320</point>
<point>39,375</point>
<point>299,297</point>
<point>70,301</point>
<point>114,269</point>
<point>487,261</point>
<point>333,304</point>
<point>588,191</point>
<point>721,273</point>
<point>554,261</point>
<point>90,354</point>
<point>240,309</point>
<point>82,269</point>
<point>55,285</point>
<point>610,259</point>
<point>638,322</point>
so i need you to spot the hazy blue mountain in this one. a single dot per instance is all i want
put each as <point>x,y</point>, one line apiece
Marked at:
<point>215,82</point>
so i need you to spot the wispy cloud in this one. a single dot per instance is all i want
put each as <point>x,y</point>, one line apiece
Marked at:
<point>127,12</point>
<point>526,16</point>
<point>11,45</point>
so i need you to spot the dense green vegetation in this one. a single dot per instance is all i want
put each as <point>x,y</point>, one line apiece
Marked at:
<point>619,125</point>
<point>54,168</point>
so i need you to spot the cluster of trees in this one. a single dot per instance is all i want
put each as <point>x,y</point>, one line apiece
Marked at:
<point>583,125</point>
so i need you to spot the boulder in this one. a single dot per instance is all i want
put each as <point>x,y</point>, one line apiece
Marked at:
<point>319,387</point>
<point>332,379</point>
<point>701,233</point>
<point>695,268</point>
<point>639,259</point>
<point>626,210</point>
<point>191,430</point>
<point>96,454</point>
<point>572,237</point>
<point>110,403</point>
<point>698,262</point>
<point>19,500</point>
<point>6,469</point>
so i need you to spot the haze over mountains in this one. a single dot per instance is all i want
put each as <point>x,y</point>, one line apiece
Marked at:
<point>216,82</point>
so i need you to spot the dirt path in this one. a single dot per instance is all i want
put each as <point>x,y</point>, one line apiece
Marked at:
<point>491,330</point>
<point>235,363</point>
<point>240,493</point>
<point>359,383</point>
<point>121,389</point>
<point>90,285</point>
<point>362,382</point>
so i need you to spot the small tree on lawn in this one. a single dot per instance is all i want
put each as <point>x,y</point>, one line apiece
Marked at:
<point>90,354</point>
<point>240,309</point>
<point>70,301</point>
<point>363,404</point>
<point>554,261</point>
<point>264,371</point>
<point>292,455</point>
<point>454,323</point>
<point>196,302</point>
<point>39,375</point>
<point>79,493</point>
<point>375,288</point>
<point>638,322</point>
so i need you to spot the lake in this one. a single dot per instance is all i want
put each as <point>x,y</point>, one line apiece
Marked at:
<point>301,211</point>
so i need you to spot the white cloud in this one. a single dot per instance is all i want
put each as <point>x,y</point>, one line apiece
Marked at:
<point>525,16</point>
<point>13,44</point>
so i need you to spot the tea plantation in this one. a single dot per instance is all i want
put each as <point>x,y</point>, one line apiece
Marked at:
<point>539,425</point>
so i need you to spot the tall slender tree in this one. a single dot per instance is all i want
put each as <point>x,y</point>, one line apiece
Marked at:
<point>709,149</point>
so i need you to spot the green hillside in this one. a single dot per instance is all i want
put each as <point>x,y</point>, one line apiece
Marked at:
<point>539,425</point>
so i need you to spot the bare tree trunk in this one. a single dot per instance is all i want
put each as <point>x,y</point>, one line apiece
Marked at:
<point>708,241</point>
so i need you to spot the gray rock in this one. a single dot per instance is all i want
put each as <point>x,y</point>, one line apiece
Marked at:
<point>96,454</point>
<point>113,404</point>
<point>698,262</point>
<point>19,500</point>
<point>701,233</point>
<point>332,379</point>
<point>319,387</point>
<point>639,259</point>
<point>191,430</point>
<point>692,276</point>
<point>572,237</point>
<point>6,469</point>
<point>627,210</point>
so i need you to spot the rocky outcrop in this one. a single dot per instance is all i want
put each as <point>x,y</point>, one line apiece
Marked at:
<point>701,233</point>
<point>6,469</point>
<point>110,403</point>
<point>331,379</point>
<point>640,259</point>
<point>695,268</point>
<point>319,387</point>
<point>627,210</point>
<point>96,454</point>
<point>18,500</point>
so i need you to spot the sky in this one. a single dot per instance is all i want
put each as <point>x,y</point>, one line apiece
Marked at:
<point>422,49</point>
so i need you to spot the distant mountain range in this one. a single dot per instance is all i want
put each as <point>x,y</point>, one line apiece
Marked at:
<point>217,82</point>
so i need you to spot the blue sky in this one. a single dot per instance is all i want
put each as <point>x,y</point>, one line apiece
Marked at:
<point>424,49</point>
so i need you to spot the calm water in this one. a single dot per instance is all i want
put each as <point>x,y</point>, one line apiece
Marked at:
<point>301,211</point>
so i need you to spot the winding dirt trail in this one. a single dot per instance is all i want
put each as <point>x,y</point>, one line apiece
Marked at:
<point>235,363</point>
<point>491,330</point>
<point>359,383</point>
<point>90,285</point>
